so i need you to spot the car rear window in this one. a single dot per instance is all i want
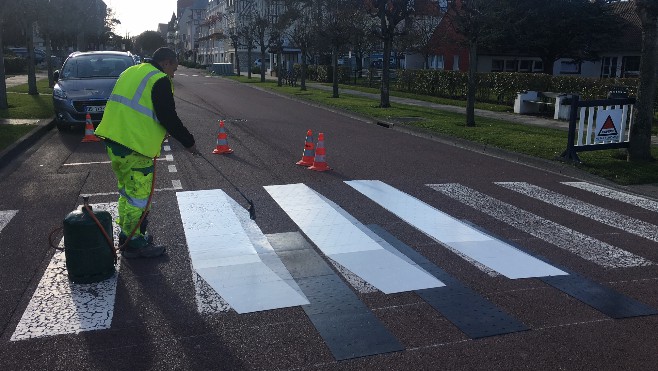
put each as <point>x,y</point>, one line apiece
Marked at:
<point>94,66</point>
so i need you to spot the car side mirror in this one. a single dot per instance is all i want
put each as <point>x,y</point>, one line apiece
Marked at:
<point>56,75</point>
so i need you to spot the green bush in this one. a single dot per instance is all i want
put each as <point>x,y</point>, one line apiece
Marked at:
<point>14,65</point>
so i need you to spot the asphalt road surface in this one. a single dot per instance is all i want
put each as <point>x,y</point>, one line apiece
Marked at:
<point>411,253</point>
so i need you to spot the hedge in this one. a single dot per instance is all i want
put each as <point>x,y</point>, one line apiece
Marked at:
<point>493,87</point>
<point>14,65</point>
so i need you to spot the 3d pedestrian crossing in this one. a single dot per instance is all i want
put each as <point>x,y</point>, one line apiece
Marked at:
<point>234,266</point>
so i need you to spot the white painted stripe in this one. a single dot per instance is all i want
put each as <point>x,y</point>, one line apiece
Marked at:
<point>232,255</point>
<point>5,217</point>
<point>451,232</point>
<point>345,241</point>
<point>565,238</point>
<point>87,163</point>
<point>628,198</point>
<point>607,217</point>
<point>166,158</point>
<point>172,169</point>
<point>166,148</point>
<point>176,184</point>
<point>60,306</point>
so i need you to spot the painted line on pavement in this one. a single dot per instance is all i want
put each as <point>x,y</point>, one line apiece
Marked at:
<point>60,306</point>
<point>176,185</point>
<point>638,201</point>
<point>5,217</point>
<point>168,158</point>
<point>344,240</point>
<point>459,236</point>
<point>599,214</point>
<point>232,255</point>
<point>586,247</point>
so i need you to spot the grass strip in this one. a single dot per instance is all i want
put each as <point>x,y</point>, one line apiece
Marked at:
<point>11,133</point>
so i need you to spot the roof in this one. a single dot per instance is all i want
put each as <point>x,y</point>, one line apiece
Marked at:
<point>630,37</point>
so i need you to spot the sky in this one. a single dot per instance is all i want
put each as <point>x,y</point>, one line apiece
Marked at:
<point>137,16</point>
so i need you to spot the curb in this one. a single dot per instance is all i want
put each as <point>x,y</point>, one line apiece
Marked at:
<point>26,141</point>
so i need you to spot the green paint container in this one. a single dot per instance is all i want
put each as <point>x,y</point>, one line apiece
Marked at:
<point>89,259</point>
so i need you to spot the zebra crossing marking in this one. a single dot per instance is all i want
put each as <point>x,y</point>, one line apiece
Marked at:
<point>480,247</point>
<point>233,256</point>
<point>59,306</point>
<point>343,240</point>
<point>5,217</point>
<point>586,247</point>
<point>638,201</point>
<point>599,214</point>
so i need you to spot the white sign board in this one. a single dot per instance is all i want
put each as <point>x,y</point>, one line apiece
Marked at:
<point>607,124</point>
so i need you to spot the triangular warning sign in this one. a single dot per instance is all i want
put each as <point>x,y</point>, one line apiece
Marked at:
<point>608,128</point>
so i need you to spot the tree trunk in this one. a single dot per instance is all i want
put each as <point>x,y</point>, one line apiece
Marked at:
<point>279,69</point>
<point>549,65</point>
<point>472,86</point>
<point>303,71</point>
<point>334,63</point>
<point>385,100</point>
<point>3,84</point>
<point>640,135</point>
<point>31,72</point>
<point>249,61</point>
<point>262,62</point>
<point>49,62</point>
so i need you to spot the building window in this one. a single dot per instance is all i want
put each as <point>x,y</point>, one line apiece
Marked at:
<point>569,67</point>
<point>497,65</point>
<point>631,66</point>
<point>437,62</point>
<point>455,63</point>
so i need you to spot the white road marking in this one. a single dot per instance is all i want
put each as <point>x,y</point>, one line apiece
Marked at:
<point>233,256</point>
<point>638,201</point>
<point>167,148</point>
<point>5,217</point>
<point>607,217</point>
<point>469,241</point>
<point>166,158</point>
<point>60,306</point>
<point>172,169</point>
<point>177,185</point>
<point>565,238</point>
<point>345,241</point>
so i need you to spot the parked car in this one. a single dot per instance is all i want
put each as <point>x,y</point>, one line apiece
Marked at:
<point>258,62</point>
<point>84,85</point>
<point>39,55</point>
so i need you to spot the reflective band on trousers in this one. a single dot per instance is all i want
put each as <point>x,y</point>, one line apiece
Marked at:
<point>137,202</point>
<point>134,102</point>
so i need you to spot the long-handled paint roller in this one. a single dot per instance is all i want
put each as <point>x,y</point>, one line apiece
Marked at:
<point>251,209</point>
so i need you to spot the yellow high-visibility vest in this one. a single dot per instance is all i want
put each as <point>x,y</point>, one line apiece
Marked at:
<point>129,118</point>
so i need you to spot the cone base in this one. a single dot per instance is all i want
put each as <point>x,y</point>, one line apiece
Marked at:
<point>303,162</point>
<point>320,167</point>
<point>222,151</point>
<point>91,139</point>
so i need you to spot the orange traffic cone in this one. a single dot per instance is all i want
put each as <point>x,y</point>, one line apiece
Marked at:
<point>320,161</point>
<point>222,141</point>
<point>89,131</point>
<point>309,151</point>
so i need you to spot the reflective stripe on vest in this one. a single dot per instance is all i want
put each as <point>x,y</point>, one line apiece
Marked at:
<point>134,103</point>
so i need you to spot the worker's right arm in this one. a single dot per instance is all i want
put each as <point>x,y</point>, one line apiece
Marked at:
<point>165,110</point>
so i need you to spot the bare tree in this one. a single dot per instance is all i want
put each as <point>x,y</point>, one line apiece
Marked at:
<point>336,27</point>
<point>302,20</point>
<point>391,15</point>
<point>640,135</point>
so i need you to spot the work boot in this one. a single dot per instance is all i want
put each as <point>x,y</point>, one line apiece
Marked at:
<point>123,238</point>
<point>140,247</point>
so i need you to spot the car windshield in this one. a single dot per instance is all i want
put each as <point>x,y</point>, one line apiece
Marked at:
<point>93,66</point>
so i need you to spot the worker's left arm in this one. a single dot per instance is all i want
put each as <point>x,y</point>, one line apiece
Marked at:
<point>165,110</point>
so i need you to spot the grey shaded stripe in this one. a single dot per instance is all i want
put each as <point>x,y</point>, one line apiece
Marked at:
<point>565,238</point>
<point>607,217</point>
<point>5,217</point>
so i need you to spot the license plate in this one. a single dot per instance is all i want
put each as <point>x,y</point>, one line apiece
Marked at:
<point>95,109</point>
